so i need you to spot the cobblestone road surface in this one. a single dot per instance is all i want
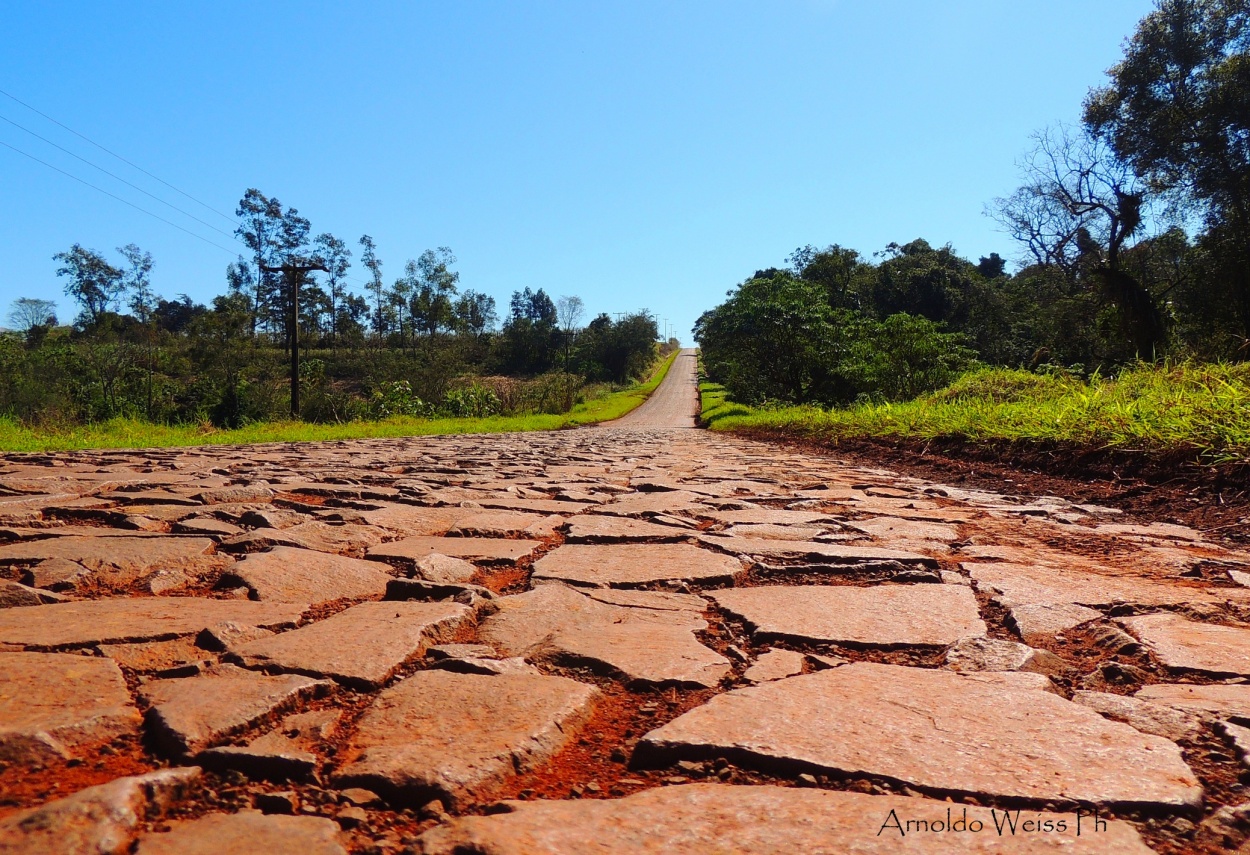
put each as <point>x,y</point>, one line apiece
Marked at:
<point>622,639</point>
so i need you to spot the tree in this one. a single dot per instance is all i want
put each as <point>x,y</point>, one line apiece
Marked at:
<point>569,312</point>
<point>771,340</point>
<point>29,313</point>
<point>835,268</point>
<point>992,266</point>
<point>260,218</point>
<point>92,282</point>
<point>1177,110</point>
<point>529,340</point>
<point>371,261</point>
<point>176,316</point>
<point>620,351</point>
<point>1081,209</point>
<point>335,255</point>
<point>276,237</point>
<point>475,313</point>
<point>433,288</point>
<point>137,282</point>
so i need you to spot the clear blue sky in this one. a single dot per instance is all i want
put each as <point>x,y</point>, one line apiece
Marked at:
<point>637,154</point>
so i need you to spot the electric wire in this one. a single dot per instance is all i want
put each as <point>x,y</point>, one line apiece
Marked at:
<point>347,276</point>
<point>118,156</point>
<point>118,198</point>
<point>116,176</point>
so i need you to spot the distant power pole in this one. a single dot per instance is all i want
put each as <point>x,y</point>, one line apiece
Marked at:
<point>294,271</point>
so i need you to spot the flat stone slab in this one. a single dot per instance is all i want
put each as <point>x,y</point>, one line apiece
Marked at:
<point>453,736</point>
<point>414,521</point>
<point>502,523</point>
<point>443,569</point>
<point>1186,645</point>
<point>828,553</point>
<point>719,819</point>
<point>271,757</point>
<point>1018,584</point>
<point>906,531</point>
<point>979,653</point>
<point>155,655</point>
<point>99,820</point>
<point>645,504</point>
<point>190,714</point>
<point>767,531</point>
<point>768,516</point>
<point>235,494</point>
<point>936,730</point>
<point>558,507</point>
<point>881,616</point>
<point>316,536</point>
<point>1224,701</point>
<point>119,560</point>
<point>209,527</point>
<point>599,528</point>
<point>220,833</point>
<point>775,665</point>
<point>1155,530</point>
<point>362,646</point>
<point>57,574</point>
<point>480,548</point>
<point>289,575</point>
<point>285,753</point>
<point>1042,621</point>
<point>52,703</point>
<point>1157,718</point>
<point>640,644</point>
<point>632,565</point>
<point>659,600</point>
<point>90,622</point>
<point>15,594</point>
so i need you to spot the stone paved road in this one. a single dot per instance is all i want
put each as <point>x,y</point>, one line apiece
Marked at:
<point>625,639</point>
<point>675,404</point>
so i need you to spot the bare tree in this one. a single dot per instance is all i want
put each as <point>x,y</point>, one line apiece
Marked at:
<point>1080,209</point>
<point>26,313</point>
<point>569,311</point>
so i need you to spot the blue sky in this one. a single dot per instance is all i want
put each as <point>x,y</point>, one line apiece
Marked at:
<point>636,154</point>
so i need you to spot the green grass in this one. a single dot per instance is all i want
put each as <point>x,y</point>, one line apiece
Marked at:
<point>131,433</point>
<point>1197,407</point>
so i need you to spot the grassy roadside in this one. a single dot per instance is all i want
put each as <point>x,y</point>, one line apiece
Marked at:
<point>130,433</point>
<point>1191,407</point>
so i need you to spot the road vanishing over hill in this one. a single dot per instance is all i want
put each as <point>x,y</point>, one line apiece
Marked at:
<point>617,639</point>
<point>674,403</point>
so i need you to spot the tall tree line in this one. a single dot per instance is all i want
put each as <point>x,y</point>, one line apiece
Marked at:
<point>412,345</point>
<point>1133,229</point>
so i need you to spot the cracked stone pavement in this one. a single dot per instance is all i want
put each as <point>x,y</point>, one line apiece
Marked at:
<point>638,637</point>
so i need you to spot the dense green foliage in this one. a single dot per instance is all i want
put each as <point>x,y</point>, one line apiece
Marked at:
<point>779,339</point>
<point>1134,231</point>
<point>421,347</point>
<point>1200,407</point>
<point>600,404</point>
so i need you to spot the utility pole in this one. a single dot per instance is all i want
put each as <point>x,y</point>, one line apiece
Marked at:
<point>294,271</point>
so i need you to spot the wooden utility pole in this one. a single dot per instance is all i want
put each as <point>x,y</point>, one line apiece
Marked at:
<point>294,271</point>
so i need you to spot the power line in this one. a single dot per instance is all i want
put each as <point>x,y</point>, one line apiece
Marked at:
<point>118,198</point>
<point>114,175</point>
<point>119,157</point>
<point>124,181</point>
